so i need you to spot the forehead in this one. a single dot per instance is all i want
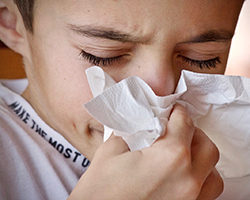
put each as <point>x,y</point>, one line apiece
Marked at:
<point>143,17</point>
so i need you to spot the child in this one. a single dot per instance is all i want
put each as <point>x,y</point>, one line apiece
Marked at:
<point>46,131</point>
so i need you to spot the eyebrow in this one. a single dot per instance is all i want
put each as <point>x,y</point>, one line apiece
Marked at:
<point>211,36</point>
<point>111,34</point>
<point>105,33</point>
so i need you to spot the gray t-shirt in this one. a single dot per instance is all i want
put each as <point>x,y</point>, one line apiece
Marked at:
<point>36,162</point>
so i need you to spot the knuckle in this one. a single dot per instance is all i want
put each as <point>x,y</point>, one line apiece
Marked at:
<point>217,181</point>
<point>219,186</point>
<point>213,151</point>
<point>216,152</point>
<point>182,156</point>
<point>186,120</point>
<point>213,185</point>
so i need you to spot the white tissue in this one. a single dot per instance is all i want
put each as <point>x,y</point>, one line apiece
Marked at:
<point>129,108</point>
<point>218,104</point>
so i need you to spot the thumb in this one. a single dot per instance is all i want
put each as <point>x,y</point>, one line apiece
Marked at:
<point>115,145</point>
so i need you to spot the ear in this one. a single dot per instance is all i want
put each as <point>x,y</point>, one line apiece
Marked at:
<point>8,25</point>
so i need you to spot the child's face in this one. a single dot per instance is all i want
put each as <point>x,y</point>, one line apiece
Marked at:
<point>153,39</point>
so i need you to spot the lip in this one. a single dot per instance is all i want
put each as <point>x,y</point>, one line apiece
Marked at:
<point>97,128</point>
<point>99,131</point>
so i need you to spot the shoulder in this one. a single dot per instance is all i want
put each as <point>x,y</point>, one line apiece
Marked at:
<point>15,85</point>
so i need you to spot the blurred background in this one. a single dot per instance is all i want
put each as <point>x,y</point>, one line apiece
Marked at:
<point>238,64</point>
<point>11,66</point>
<point>239,58</point>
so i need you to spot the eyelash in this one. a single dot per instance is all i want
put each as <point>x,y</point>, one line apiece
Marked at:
<point>207,64</point>
<point>100,61</point>
<point>202,64</point>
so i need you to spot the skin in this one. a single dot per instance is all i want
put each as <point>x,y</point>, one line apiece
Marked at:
<point>239,60</point>
<point>154,40</point>
<point>177,172</point>
<point>55,69</point>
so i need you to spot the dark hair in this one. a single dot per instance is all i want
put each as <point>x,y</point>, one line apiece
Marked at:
<point>26,9</point>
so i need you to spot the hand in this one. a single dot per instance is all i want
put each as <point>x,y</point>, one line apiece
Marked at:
<point>179,165</point>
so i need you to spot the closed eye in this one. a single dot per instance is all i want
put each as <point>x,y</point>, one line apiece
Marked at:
<point>99,61</point>
<point>202,64</point>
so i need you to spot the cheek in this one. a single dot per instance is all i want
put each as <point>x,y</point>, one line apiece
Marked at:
<point>68,85</point>
<point>62,85</point>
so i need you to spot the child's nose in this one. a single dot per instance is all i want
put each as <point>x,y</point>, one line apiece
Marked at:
<point>161,79</point>
<point>161,76</point>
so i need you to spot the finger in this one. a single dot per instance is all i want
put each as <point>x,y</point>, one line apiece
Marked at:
<point>115,145</point>
<point>212,187</point>
<point>204,154</point>
<point>179,129</point>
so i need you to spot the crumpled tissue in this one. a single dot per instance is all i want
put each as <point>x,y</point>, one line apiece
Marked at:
<point>218,104</point>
